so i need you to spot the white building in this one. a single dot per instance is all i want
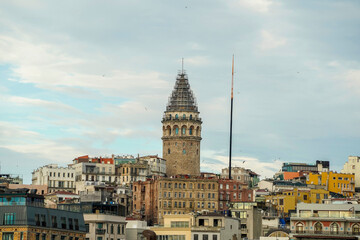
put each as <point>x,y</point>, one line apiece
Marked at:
<point>352,166</point>
<point>156,165</point>
<point>55,177</point>
<point>103,226</point>
<point>93,171</point>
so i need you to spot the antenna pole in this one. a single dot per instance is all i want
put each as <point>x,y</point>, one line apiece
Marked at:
<point>182,66</point>
<point>231,114</point>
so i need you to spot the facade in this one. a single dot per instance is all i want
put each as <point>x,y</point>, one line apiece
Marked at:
<point>340,183</point>
<point>352,166</point>
<point>93,171</point>
<point>211,226</point>
<point>24,217</point>
<point>154,199</point>
<point>182,131</point>
<point>237,173</point>
<point>231,191</point>
<point>131,172</point>
<point>326,221</point>
<point>156,165</point>
<point>55,177</point>
<point>103,227</point>
<point>285,202</point>
<point>250,219</point>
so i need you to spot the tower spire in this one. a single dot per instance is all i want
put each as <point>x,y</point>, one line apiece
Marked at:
<point>182,66</point>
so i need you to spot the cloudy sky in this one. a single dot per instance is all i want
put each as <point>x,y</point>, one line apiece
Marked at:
<point>93,77</point>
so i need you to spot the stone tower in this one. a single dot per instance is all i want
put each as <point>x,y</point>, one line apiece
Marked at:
<point>182,130</point>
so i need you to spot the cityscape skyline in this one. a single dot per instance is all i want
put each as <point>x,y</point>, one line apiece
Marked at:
<point>97,82</point>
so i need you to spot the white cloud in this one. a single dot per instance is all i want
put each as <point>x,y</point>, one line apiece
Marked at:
<point>197,60</point>
<point>270,41</point>
<point>352,78</point>
<point>265,169</point>
<point>261,6</point>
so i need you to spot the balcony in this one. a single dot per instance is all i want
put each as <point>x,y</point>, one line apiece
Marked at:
<point>315,216</point>
<point>100,231</point>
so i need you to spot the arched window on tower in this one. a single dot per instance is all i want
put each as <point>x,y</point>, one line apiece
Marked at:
<point>170,116</point>
<point>191,129</point>
<point>176,131</point>
<point>184,116</point>
<point>183,130</point>
<point>176,116</point>
<point>190,116</point>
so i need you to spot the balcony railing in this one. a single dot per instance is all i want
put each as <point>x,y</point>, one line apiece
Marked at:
<point>315,215</point>
<point>327,233</point>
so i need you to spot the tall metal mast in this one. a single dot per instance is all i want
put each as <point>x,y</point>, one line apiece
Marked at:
<point>231,114</point>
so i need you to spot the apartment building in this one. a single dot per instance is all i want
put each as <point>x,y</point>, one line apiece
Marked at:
<point>104,226</point>
<point>56,178</point>
<point>153,199</point>
<point>341,183</point>
<point>352,166</point>
<point>211,226</point>
<point>326,221</point>
<point>233,191</point>
<point>23,216</point>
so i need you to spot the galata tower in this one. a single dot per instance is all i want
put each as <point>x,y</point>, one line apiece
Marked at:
<point>182,130</point>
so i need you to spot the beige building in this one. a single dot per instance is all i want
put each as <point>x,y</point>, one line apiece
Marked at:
<point>154,199</point>
<point>182,131</point>
<point>237,173</point>
<point>104,227</point>
<point>211,226</point>
<point>352,166</point>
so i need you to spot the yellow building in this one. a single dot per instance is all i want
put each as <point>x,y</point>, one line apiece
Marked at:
<point>340,183</point>
<point>287,200</point>
<point>175,227</point>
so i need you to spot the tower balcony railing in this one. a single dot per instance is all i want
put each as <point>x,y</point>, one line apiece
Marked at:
<point>182,119</point>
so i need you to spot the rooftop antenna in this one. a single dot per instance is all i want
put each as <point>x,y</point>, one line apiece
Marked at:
<point>231,114</point>
<point>182,66</point>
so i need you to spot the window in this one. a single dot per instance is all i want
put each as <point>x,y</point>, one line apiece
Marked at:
<point>334,228</point>
<point>183,130</point>
<point>184,151</point>
<point>112,229</point>
<point>37,219</point>
<point>87,228</point>
<point>356,229</point>
<point>53,222</point>
<point>176,131</point>
<point>43,220</point>
<point>9,218</point>
<point>179,224</point>
<point>318,227</point>
<point>305,197</point>
<point>118,229</point>
<point>205,237</point>
<point>70,223</point>
<point>176,116</point>
<point>63,222</point>
<point>76,221</point>
<point>196,237</point>
<point>299,228</point>
<point>215,237</point>
<point>8,236</point>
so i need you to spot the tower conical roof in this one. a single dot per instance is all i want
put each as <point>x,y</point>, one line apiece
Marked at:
<point>182,98</point>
